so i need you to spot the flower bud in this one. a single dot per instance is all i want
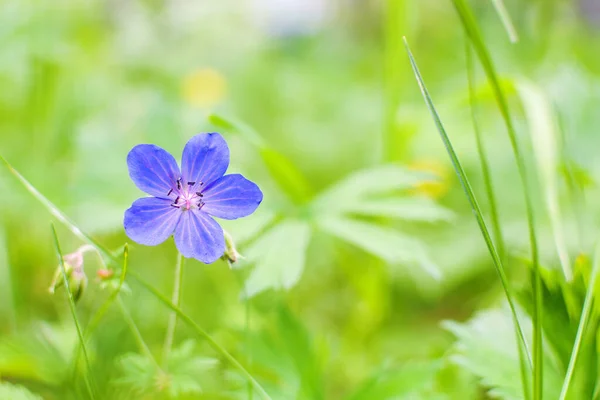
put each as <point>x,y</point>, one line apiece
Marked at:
<point>73,263</point>
<point>231,254</point>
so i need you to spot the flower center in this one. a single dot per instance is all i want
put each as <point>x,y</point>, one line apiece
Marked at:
<point>186,195</point>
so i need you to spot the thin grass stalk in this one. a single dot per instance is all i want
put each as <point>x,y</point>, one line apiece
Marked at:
<point>175,299</point>
<point>470,25</point>
<point>491,197</point>
<point>88,376</point>
<point>583,322</point>
<point>464,181</point>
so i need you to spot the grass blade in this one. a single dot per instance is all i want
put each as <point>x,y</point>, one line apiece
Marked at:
<point>470,196</point>
<point>88,377</point>
<point>483,159</point>
<point>506,21</point>
<point>491,197</point>
<point>583,321</point>
<point>56,212</point>
<point>472,29</point>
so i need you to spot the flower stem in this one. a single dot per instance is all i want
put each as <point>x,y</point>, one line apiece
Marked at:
<point>175,299</point>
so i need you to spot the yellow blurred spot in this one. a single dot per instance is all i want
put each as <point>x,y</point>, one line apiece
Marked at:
<point>204,87</point>
<point>434,188</point>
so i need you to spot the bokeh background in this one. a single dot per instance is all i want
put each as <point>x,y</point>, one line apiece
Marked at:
<point>364,244</point>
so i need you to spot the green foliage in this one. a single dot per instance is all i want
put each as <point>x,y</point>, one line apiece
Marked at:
<point>15,392</point>
<point>182,376</point>
<point>489,336</point>
<point>364,258</point>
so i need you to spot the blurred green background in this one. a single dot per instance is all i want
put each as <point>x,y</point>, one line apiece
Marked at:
<point>364,243</point>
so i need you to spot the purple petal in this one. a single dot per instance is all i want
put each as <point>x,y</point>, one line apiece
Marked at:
<point>231,197</point>
<point>152,169</point>
<point>199,236</point>
<point>205,158</point>
<point>151,220</point>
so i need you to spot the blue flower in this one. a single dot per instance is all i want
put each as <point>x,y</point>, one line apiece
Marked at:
<point>184,201</point>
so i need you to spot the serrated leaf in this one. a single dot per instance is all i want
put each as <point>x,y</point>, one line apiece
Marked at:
<point>386,243</point>
<point>15,392</point>
<point>279,257</point>
<point>183,375</point>
<point>486,346</point>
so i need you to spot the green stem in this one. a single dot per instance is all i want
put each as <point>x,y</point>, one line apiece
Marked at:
<point>583,321</point>
<point>88,377</point>
<point>175,299</point>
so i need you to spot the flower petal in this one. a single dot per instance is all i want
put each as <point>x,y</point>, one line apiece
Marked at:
<point>231,197</point>
<point>152,169</point>
<point>199,236</point>
<point>151,220</point>
<point>205,158</point>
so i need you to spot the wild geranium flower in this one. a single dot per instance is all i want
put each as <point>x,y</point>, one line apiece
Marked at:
<point>184,201</point>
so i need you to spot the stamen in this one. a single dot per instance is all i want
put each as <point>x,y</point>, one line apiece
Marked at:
<point>174,205</point>
<point>176,200</point>
<point>179,184</point>
<point>199,194</point>
<point>170,191</point>
<point>191,183</point>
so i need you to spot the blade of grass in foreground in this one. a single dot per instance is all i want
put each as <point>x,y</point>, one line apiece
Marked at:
<point>470,196</point>
<point>88,377</point>
<point>472,29</point>
<point>491,197</point>
<point>583,321</point>
<point>62,217</point>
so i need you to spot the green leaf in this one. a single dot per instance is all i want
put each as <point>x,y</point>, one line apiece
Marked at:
<point>368,182</point>
<point>486,346</point>
<point>15,392</point>
<point>386,243</point>
<point>279,257</point>
<point>284,172</point>
<point>421,209</point>
<point>229,124</point>
<point>184,373</point>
